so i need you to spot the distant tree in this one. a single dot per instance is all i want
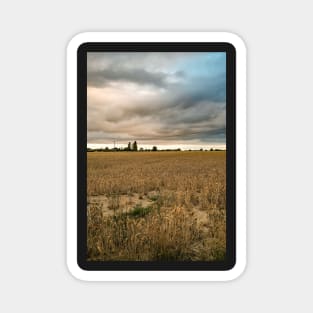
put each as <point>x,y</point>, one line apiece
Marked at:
<point>201,149</point>
<point>211,149</point>
<point>129,146</point>
<point>141,149</point>
<point>154,148</point>
<point>135,148</point>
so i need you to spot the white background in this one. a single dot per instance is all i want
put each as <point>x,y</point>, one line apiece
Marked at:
<point>33,275</point>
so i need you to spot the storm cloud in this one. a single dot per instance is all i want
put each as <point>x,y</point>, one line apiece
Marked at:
<point>139,76</point>
<point>168,99</point>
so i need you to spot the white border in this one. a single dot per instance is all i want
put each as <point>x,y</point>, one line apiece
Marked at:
<point>239,45</point>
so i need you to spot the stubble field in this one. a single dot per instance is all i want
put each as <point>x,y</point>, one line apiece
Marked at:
<point>156,206</point>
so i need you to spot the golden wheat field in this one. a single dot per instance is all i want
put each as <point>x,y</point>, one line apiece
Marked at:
<point>156,206</point>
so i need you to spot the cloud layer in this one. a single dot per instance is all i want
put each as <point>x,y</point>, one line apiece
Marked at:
<point>175,99</point>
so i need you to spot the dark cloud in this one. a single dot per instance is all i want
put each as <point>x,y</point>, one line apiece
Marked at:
<point>173,98</point>
<point>139,76</point>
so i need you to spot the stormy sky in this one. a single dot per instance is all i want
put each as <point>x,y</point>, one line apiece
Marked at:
<point>172,100</point>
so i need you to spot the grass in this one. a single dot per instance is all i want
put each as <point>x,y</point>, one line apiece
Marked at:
<point>171,235</point>
<point>140,211</point>
<point>160,206</point>
<point>154,197</point>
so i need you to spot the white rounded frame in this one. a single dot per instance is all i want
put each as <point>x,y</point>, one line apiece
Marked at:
<point>71,184</point>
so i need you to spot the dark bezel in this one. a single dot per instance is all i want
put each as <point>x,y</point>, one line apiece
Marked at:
<point>230,258</point>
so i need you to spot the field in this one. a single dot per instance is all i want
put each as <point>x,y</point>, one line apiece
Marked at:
<point>156,206</point>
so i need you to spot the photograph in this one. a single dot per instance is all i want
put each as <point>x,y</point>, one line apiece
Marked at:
<point>156,156</point>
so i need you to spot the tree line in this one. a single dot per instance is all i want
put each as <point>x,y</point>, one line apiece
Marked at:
<point>130,147</point>
<point>134,147</point>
